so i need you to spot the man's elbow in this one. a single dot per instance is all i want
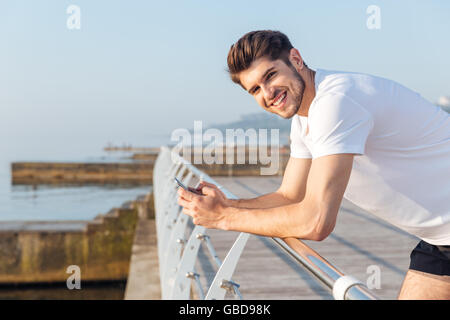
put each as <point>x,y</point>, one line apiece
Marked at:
<point>317,228</point>
<point>320,236</point>
<point>316,233</point>
<point>324,226</point>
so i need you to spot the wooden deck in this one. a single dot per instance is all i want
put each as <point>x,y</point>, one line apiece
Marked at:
<point>359,241</point>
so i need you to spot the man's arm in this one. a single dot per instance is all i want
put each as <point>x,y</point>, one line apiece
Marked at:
<point>292,189</point>
<point>312,218</point>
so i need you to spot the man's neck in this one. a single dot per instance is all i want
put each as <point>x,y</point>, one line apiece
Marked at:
<point>308,94</point>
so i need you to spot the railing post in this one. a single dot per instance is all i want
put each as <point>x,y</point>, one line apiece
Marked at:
<point>172,212</point>
<point>226,270</point>
<point>162,166</point>
<point>171,205</point>
<point>175,240</point>
<point>180,283</point>
<point>168,190</point>
<point>162,191</point>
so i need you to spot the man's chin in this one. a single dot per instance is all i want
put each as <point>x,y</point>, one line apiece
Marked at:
<point>288,113</point>
<point>285,116</point>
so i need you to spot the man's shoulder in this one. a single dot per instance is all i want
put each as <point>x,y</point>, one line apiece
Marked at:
<point>327,81</point>
<point>337,88</point>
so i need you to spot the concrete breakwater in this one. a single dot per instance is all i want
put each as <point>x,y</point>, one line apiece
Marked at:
<point>140,171</point>
<point>40,252</point>
<point>80,173</point>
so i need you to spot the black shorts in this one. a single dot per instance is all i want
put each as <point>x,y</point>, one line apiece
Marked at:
<point>431,259</point>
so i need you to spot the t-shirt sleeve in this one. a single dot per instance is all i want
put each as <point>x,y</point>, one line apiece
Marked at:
<point>338,125</point>
<point>298,148</point>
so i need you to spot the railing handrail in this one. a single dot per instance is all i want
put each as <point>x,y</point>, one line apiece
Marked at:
<point>341,286</point>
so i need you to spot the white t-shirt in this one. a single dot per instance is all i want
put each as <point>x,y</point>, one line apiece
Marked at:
<point>401,171</point>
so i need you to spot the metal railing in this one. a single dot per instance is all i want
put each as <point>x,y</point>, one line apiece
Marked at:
<point>177,255</point>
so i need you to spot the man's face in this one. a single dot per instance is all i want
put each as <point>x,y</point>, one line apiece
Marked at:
<point>277,87</point>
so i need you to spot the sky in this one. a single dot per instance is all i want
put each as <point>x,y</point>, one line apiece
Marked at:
<point>136,70</point>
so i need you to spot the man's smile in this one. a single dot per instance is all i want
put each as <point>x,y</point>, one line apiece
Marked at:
<point>279,100</point>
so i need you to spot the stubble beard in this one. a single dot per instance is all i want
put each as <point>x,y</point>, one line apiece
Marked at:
<point>298,88</point>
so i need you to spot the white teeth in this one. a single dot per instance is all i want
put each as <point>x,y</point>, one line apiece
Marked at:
<point>279,99</point>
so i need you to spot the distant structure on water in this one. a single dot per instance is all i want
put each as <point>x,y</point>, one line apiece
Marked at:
<point>444,103</point>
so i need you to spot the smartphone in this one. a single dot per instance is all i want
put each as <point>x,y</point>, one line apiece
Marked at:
<point>187,188</point>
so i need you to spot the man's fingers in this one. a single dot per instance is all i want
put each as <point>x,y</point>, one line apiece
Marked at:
<point>213,186</point>
<point>186,194</point>
<point>188,212</point>
<point>209,191</point>
<point>206,184</point>
<point>183,202</point>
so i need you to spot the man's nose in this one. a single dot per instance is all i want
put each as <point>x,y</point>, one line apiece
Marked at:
<point>268,94</point>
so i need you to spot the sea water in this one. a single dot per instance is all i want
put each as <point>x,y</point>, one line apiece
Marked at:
<point>58,202</point>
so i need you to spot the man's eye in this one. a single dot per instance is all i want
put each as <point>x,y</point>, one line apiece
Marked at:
<point>255,90</point>
<point>270,75</point>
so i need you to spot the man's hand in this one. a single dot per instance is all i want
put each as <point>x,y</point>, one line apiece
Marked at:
<point>203,184</point>
<point>207,210</point>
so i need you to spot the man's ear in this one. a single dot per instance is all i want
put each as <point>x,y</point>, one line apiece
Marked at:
<point>296,59</point>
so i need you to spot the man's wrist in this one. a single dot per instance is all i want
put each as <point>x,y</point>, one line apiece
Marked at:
<point>228,213</point>
<point>231,202</point>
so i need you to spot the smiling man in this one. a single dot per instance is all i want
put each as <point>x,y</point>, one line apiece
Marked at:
<point>368,139</point>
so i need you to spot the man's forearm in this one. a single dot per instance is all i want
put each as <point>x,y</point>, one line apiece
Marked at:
<point>301,220</point>
<point>270,200</point>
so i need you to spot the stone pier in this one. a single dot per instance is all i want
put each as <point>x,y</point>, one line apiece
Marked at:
<point>41,251</point>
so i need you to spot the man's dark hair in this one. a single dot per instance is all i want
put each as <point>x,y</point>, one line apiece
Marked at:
<point>254,45</point>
